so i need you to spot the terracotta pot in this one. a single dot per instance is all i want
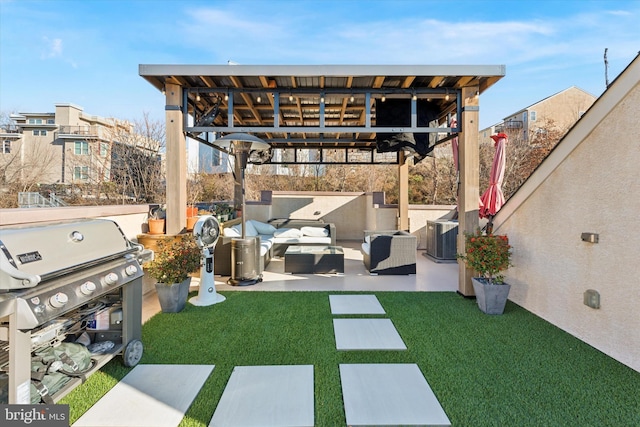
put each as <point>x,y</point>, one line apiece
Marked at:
<point>156,226</point>
<point>191,222</point>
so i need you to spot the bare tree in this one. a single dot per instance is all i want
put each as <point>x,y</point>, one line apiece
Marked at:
<point>523,155</point>
<point>136,166</point>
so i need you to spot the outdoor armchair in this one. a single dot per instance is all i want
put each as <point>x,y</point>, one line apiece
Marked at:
<point>389,252</point>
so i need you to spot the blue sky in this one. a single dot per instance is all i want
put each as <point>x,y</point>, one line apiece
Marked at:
<point>87,52</point>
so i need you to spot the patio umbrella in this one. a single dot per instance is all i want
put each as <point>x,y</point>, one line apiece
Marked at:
<point>493,199</point>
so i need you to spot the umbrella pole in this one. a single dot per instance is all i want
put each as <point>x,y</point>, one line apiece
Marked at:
<point>490,224</point>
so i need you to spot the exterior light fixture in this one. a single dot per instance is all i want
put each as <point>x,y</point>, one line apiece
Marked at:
<point>259,98</point>
<point>290,98</point>
<point>322,98</point>
<point>414,97</point>
<point>226,96</point>
<point>384,98</point>
<point>446,97</point>
<point>477,94</point>
<point>198,97</point>
<point>164,92</point>
<point>351,99</point>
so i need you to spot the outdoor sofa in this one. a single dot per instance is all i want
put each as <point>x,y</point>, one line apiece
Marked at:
<point>274,237</point>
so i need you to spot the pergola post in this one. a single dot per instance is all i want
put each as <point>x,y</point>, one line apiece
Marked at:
<point>468,158</point>
<point>175,161</point>
<point>403,193</point>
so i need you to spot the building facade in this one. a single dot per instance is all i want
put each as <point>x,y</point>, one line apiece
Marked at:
<point>560,111</point>
<point>68,147</point>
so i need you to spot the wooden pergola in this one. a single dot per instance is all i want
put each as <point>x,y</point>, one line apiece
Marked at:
<point>346,108</point>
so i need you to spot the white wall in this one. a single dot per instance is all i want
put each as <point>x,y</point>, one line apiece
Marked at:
<point>589,183</point>
<point>352,213</point>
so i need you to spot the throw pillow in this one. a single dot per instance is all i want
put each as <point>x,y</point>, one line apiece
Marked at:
<point>262,228</point>
<point>288,232</point>
<point>251,231</point>
<point>314,231</point>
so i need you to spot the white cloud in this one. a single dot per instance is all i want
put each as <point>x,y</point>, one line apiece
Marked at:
<point>53,48</point>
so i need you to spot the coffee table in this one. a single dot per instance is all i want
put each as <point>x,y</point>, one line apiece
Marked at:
<point>314,259</point>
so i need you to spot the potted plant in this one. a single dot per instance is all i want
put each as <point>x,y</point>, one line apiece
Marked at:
<point>194,191</point>
<point>223,211</point>
<point>488,255</point>
<point>155,220</point>
<point>175,259</point>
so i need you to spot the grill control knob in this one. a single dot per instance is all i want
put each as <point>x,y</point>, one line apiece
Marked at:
<point>87,288</point>
<point>58,300</point>
<point>131,270</point>
<point>111,279</point>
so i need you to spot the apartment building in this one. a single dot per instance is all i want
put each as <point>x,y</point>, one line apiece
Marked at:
<point>560,110</point>
<point>67,146</point>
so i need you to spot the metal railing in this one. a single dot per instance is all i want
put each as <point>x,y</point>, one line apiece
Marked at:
<point>37,200</point>
<point>78,130</point>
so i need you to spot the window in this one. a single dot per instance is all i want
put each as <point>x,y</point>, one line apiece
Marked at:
<point>6,146</point>
<point>81,172</point>
<point>532,116</point>
<point>35,121</point>
<point>104,149</point>
<point>51,122</point>
<point>36,133</point>
<point>43,133</point>
<point>524,117</point>
<point>81,147</point>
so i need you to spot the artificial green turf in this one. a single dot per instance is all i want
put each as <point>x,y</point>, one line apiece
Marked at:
<point>512,370</point>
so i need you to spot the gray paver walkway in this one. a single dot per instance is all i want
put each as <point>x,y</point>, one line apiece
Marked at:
<point>149,395</point>
<point>267,396</point>
<point>355,304</point>
<point>367,334</point>
<point>389,395</point>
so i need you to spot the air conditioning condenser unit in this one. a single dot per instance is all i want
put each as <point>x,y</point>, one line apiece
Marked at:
<point>442,238</point>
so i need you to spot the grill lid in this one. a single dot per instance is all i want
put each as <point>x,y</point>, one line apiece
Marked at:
<point>35,253</point>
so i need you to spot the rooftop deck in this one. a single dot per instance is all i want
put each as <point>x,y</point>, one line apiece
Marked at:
<point>430,277</point>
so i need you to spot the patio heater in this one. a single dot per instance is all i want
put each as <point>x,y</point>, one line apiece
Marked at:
<point>244,261</point>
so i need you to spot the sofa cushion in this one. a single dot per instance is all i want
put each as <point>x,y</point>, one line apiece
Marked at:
<point>287,233</point>
<point>366,248</point>
<point>230,232</point>
<point>302,240</point>
<point>314,231</point>
<point>261,227</point>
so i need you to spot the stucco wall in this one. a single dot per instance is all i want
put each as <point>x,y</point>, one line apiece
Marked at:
<point>590,183</point>
<point>352,213</point>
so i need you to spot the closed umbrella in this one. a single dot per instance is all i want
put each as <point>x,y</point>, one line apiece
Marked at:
<point>493,199</point>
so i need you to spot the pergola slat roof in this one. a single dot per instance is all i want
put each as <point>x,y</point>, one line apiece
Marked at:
<point>313,106</point>
<point>326,107</point>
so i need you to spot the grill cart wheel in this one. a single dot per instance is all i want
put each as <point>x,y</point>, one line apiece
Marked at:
<point>132,353</point>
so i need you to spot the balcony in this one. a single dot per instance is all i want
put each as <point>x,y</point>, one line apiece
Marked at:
<point>76,131</point>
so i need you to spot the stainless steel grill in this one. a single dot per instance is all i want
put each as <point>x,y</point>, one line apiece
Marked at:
<point>56,281</point>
